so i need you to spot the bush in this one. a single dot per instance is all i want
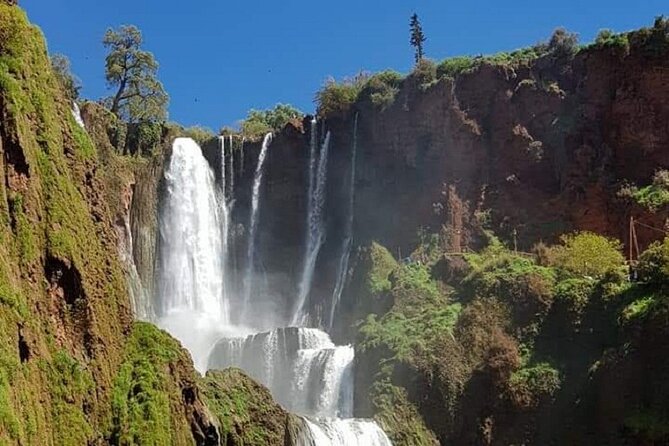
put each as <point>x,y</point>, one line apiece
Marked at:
<point>261,122</point>
<point>199,134</point>
<point>382,263</point>
<point>563,43</point>
<point>587,253</point>
<point>654,263</point>
<point>530,385</point>
<point>653,197</point>
<point>608,39</point>
<point>68,81</point>
<point>455,66</point>
<point>424,73</point>
<point>575,293</point>
<point>336,98</point>
<point>382,88</point>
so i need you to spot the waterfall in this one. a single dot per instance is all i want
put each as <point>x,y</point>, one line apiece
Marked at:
<point>253,223</point>
<point>139,298</point>
<point>76,113</point>
<point>231,193</point>
<point>347,243</point>
<point>305,371</point>
<point>225,216</point>
<point>338,432</point>
<point>315,235</point>
<point>190,276</point>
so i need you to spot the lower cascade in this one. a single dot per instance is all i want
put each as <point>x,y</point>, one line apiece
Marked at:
<point>305,371</point>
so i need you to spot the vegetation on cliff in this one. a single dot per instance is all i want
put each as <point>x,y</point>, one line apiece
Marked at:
<point>487,357</point>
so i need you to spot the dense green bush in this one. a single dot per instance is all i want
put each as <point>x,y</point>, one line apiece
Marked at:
<point>336,98</point>
<point>653,197</point>
<point>261,122</point>
<point>382,263</point>
<point>382,88</point>
<point>654,263</point>
<point>424,73</point>
<point>454,66</point>
<point>608,39</point>
<point>587,253</point>
<point>530,385</point>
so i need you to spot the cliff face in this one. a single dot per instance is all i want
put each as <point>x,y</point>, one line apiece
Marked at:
<point>530,150</point>
<point>74,367</point>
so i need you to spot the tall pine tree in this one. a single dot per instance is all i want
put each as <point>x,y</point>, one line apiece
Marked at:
<point>417,37</point>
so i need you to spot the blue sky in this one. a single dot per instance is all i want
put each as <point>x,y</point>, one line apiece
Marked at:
<point>218,59</point>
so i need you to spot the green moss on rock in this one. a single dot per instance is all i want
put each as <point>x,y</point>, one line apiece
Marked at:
<point>245,410</point>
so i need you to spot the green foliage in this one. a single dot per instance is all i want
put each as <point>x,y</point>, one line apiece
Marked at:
<point>398,417</point>
<point>133,72</point>
<point>70,387</point>
<point>261,122</point>
<point>638,309</point>
<point>382,88</point>
<point>587,253</point>
<point>382,264</point>
<point>652,42</point>
<point>71,84</point>
<point>653,197</point>
<point>608,39</point>
<point>245,410</point>
<point>337,98</point>
<point>563,43</point>
<point>424,73</point>
<point>530,385</point>
<point>199,134</point>
<point>147,404</point>
<point>575,292</point>
<point>417,37</point>
<point>454,66</point>
<point>421,315</point>
<point>654,263</point>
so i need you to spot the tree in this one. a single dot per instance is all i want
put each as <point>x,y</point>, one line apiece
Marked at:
<point>70,83</point>
<point>586,253</point>
<point>133,72</point>
<point>417,37</point>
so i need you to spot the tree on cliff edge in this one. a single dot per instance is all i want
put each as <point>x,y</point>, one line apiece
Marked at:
<point>133,73</point>
<point>417,37</point>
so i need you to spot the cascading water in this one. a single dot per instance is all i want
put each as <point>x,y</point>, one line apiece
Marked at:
<point>303,368</point>
<point>139,298</point>
<point>347,243</point>
<point>315,235</point>
<point>76,113</point>
<point>253,224</point>
<point>190,276</point>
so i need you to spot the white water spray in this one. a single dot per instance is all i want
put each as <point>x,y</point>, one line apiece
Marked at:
<point>347,243</point>
<point>315,234</point>
<point>190,286</point>
<point>339,432</point>
<point>253,223</point>
<point>76,113</point>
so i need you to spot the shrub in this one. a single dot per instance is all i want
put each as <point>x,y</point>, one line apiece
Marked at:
<point>424,73</point>
<point>563,43</point>
<point>382,88</point>
<point>654,263</point>
<point>69,82</point>
<point>608,39</point>
<point>455,65</point>
<point>575,293</point>
<point>655,196</point>
<point>530,385</point>
<point>587,253</point>
<point>199,134</point>
<point>382,263</point>
<point>336,98</point>
<point>261,122</point>
<point>638,308</point>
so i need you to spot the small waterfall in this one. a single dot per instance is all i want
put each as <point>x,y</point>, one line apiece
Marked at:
<point>139,298</point>
<point>338,432</point>
<point>192,305</point>
<point>253,223</point>
<point>315,235</point>
<point>347,243</point>
<point>305,371</point>
<point>225,216</point>
<point>76,113</point>
<point>231,175</point>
